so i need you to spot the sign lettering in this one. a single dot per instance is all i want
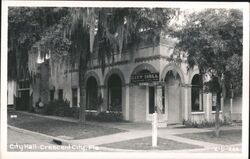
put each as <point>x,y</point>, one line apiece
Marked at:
<point>141,78</point>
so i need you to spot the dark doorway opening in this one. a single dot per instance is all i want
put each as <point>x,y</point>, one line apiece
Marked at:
<point>114,93</point>
<point>151,100</point>
<point>92,90</point>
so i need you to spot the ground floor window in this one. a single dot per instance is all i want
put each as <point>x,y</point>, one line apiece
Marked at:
<point>163,100</point>
<point>216,101</point>
<point>196,94</point>
<point>60,94</point>
<point>74,97</point>
<point>24,84</point>
<point>52,95</point>
<point>23,100</point>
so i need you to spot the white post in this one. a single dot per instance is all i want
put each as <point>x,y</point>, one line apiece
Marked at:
<point>222,107</point>
<point>154,130</point>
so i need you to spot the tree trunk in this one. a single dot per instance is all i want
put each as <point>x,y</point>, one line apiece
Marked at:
<point>217,121</point>
<point>82,70</point>
<point>82,114</point>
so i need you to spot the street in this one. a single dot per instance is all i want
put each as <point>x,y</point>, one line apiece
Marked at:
<point>21,138</point>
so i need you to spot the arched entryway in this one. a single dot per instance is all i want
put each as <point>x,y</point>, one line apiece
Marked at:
<point>91,94</point>
<point>142,94</point>
<point>114,93</point>
<point>196,94</point>
<point>151,94</point>
<point>173,96</point>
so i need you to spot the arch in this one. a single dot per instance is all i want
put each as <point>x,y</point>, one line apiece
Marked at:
<point>91,74</point>
<point>144,66</point>
<point>196,80</point>
<point>194,72</point>
<point>114,71</point>
<point>169,68</point>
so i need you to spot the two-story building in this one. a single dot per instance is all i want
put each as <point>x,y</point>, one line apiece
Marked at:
<point>177,91</point>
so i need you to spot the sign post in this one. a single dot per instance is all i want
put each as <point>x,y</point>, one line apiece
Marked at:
<point>154,130</point>
<point>231,102</point>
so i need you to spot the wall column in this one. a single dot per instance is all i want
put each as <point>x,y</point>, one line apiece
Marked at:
<point>101,90</point>
<point>124,98</point>
<point>186,103</point>
<point>126,117</point>
<point>208,106</point>
<point>159,97</point>
<point>161,116</point>
<point>105,98</point>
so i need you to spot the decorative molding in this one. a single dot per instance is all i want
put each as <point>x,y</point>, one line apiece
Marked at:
<point>144,66</point>
<point>151,58</point>
<point>109,65</point>
<point>198,113</point>
<point>173,67</point>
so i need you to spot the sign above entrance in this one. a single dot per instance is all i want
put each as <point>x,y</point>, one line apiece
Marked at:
<point>147,77</point>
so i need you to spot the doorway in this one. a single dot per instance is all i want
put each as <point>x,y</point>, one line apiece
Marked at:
<point>173,97</point>
<point>115,93</point>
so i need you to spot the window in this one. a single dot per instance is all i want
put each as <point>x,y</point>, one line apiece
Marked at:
<point>74,97</point>
<point>60,94</point>
<point>24,84</point>
<point>197,104</point>
<point>163,100</point>
<point>216,101</point>
<point>52,95</point>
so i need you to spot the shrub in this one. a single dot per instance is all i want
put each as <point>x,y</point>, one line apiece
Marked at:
<point>90,116</point>
<point>61,108</point>
<point>204,123</point>
<point>109,116</point>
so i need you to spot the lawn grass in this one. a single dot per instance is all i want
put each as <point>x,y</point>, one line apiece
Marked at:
<point>146,144</point>
<point>227,137</point>
<point>56,128</point>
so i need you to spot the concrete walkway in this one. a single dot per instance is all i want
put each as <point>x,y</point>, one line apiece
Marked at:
<point>134,134</point>
<point>114,138</point>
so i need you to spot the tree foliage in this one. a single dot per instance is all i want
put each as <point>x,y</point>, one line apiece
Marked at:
<point>212,39</point>
<point>25,27</point>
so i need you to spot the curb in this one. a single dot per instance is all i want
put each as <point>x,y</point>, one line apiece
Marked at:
<point>63,141</point>
<point>37,133</point>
